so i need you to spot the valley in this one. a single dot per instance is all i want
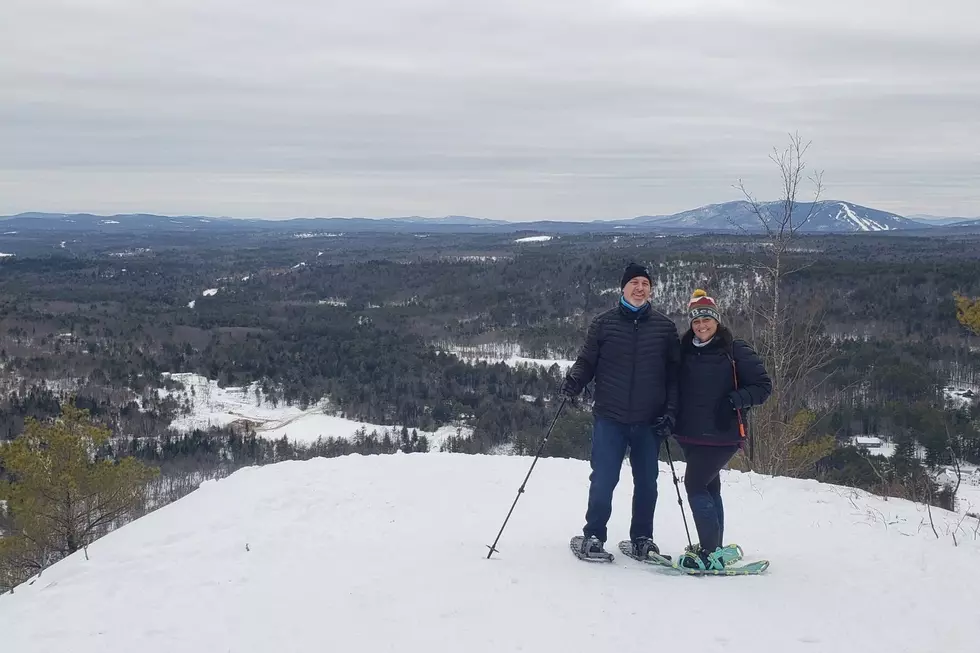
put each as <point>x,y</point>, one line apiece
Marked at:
<point>208,352</point>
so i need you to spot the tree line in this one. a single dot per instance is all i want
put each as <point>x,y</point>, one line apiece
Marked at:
<point>865,331</point>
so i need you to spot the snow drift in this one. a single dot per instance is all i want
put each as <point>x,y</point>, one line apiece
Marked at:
<point>388,553</point>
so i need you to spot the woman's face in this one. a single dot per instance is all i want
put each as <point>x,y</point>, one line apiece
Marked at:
<point>704,328</point>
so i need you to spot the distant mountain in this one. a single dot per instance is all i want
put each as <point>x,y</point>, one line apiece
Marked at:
<point>966,223</point>
<point>449,219</point>
<point>939,219</point>
<point>74,222</point>
<point>148,221</point>
<point>832,216</point>
<point>829,217</point>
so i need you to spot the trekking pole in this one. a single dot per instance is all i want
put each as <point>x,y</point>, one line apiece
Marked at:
<point>678,488</point>
<point>520,490</point>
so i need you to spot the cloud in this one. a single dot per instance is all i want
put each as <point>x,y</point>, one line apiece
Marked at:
<point>576,109</point>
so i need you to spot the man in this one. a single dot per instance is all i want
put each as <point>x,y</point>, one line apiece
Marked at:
<point>632,352</point>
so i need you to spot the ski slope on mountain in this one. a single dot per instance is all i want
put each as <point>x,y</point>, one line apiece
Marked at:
<point>388,553</point>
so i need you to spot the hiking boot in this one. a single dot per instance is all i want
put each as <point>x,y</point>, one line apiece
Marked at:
<point>644,546</point>
<point>592,548</point>
<point>694,557</point>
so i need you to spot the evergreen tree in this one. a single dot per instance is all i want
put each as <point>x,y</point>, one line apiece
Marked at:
<point>62,495</point>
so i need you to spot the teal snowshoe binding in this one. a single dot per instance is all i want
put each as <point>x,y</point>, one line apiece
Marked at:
<point>701,560</point>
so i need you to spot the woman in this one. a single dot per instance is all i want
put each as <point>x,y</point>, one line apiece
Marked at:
<point>720,377</point>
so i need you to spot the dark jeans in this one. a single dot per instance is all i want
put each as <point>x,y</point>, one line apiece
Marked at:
<point>609,442</point>
<point>703,485</point>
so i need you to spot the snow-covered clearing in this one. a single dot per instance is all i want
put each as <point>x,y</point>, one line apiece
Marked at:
<point>533,239</point>
<point>968,495</point>
<point>510,354</point>
<point>211,405</point>
<point>961,395</point>
<point>318,555</point>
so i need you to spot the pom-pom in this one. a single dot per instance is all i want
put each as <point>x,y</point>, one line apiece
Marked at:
<point>699,293</point>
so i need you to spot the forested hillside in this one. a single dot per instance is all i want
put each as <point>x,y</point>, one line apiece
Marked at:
<point>366,320</point>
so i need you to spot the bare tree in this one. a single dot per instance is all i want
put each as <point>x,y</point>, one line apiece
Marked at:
<point>788,336</point>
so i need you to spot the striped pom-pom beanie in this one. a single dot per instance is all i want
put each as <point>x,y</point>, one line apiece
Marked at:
<point>701,305</point>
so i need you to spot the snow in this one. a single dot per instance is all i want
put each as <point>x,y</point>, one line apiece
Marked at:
<point>317,235</point>
<point>191,303</point>
<point>210,292</point>
<point>131,252</point>
<point>874,445</point>
<point>868,441</point>
<point>5,255</point>
<point>961,395</point>
<point>508,354</point>
<point>968,495</point>
<point>884,446</point>
<point>211,405</point>
<point>864,224</point>
<point>475,258</point>
<point>533,239</point>
<point>887,449</point>
<point>303,556</point>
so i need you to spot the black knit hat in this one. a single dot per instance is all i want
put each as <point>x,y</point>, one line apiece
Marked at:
<point>634,270</point>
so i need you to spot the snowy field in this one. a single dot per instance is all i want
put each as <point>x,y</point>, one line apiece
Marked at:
<point>214,406</point>
<point>509,354</point>
<point>388,553</point>
<point>961,395</point>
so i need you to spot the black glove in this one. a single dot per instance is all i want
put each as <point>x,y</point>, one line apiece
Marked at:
<point>736,400</point>
<point>570,387</point>
<point>663,427</point>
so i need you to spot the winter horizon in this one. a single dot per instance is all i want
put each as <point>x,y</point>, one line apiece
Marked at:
<point>571,111</point>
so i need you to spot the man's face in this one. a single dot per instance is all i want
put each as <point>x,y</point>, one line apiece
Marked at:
<point>637,291</point>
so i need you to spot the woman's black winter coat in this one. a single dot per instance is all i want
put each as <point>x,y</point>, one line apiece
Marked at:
<point>708,398</point>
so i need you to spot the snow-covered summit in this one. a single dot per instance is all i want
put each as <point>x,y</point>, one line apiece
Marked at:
<point>828,216</point>
<point>388,553</point>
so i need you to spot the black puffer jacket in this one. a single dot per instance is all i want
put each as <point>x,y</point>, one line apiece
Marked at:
<point>707,388</point>
<point>633,357</point>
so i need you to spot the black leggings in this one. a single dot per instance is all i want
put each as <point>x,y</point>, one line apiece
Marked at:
<point>703,484</point>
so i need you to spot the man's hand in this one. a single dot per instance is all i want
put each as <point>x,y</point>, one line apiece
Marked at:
<point>663,427</point>
<point>570,387</point>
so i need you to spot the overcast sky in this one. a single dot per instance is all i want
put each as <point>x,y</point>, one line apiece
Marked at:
<point>509,109</point>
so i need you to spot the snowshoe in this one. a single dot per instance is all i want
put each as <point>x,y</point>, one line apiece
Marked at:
<point>589,549</point>
<point>645,548</point>
<point>728,555</point>
<point>701,560</point>
<point>645,553</point>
